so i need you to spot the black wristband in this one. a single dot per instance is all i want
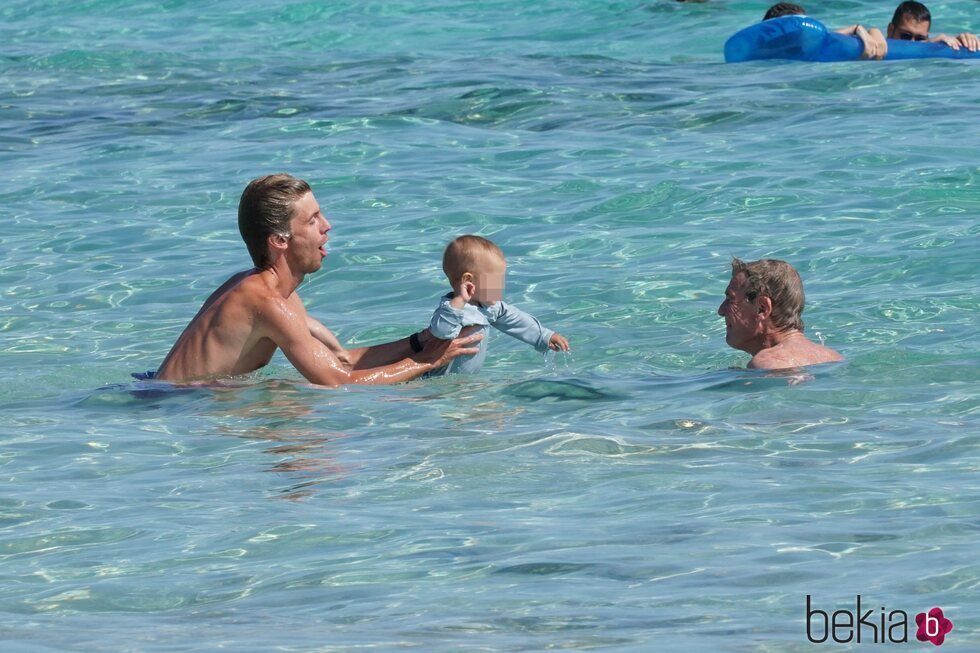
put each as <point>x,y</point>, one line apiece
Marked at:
<point>415,343</point>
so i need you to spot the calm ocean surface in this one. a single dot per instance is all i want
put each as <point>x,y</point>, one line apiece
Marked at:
<point>639,494</point>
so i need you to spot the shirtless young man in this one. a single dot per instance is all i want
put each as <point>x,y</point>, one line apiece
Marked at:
<point>762,310</point>
<point>258,311</point>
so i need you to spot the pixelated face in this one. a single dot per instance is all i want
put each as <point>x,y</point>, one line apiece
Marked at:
<point>742,326</point>
<point>489,279</point>
<point>909,29</point>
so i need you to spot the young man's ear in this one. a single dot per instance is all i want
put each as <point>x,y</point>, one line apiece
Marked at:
<point>467,277</point>
<point>277,241</point>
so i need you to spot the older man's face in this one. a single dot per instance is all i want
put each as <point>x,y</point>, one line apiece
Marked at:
<point>742,323</point>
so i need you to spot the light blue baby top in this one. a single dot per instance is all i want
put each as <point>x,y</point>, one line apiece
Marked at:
<point>447,322</point>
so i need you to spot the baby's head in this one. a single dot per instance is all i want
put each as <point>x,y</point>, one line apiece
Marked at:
<point>476,260</point>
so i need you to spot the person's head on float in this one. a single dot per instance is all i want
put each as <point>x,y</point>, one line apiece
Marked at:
<point>911,22</point>
<point>781,9</point>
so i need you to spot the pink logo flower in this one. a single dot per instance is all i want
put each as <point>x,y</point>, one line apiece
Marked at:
<point>933,626</point>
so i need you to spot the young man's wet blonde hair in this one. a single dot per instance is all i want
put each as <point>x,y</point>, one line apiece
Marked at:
<point>266,208</point>
<point>467,254</point>
<point>778,281</point>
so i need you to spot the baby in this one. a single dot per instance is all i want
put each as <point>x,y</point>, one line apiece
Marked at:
<point>476,268</point>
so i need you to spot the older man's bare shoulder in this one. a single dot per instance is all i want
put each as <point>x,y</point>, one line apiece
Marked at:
<point>798,353</point>
<point>772,358</point>
<point>823,354</point>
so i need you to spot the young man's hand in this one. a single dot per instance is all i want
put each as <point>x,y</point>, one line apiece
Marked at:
<point>342,356</point>
<point>440,352</point>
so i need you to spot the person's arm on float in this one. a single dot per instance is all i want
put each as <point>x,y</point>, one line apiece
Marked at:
<point>970,41</point>
<point>966,40</point>
<point>875,45</point>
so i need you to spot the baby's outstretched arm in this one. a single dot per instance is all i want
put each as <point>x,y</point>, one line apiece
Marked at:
<point>518,324</point>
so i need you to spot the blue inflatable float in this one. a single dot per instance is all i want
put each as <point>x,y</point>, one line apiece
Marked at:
<point>802,38</point>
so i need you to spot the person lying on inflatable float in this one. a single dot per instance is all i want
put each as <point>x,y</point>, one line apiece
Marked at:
<point>787,33</point>
<point>872,39</point>
<point>911,22</point>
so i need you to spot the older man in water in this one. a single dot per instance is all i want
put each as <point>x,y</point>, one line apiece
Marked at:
<point>258,311</point>
<point>763,310</point>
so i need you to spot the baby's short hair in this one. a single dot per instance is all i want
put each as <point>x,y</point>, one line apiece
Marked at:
<point>465,253</point>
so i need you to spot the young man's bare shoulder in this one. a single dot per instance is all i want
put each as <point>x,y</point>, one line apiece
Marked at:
<point>232,286</point>
<point>265,301</point>
<point>242,295</point>
<point>251,288</point>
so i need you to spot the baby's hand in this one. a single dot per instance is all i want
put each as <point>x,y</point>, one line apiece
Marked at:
<point>558,343</point>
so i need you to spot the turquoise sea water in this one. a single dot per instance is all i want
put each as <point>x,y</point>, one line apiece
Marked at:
<point>635,495</point>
